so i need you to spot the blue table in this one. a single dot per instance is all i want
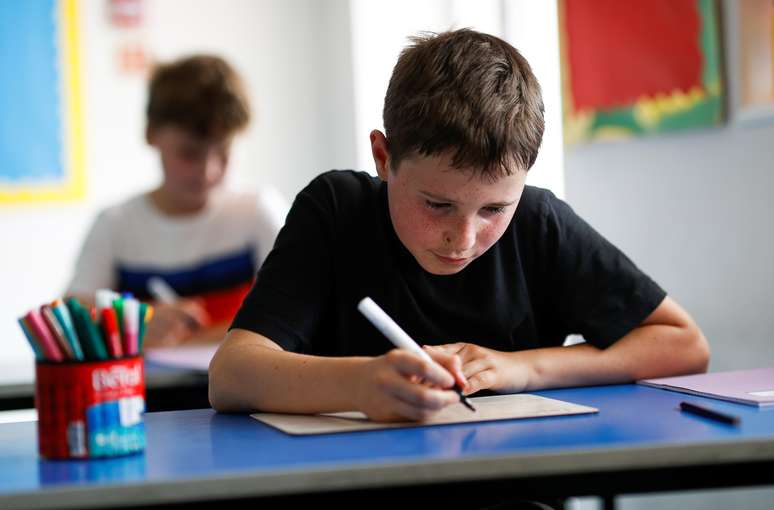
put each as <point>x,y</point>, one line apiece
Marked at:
<point>638,442</point>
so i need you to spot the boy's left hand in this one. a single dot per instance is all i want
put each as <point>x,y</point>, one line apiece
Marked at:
<point>487,369</point>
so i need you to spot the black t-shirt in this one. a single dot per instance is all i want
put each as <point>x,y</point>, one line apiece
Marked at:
<point>550,275</point>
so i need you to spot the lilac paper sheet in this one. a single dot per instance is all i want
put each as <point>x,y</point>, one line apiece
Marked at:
<point>753,386</point>
<point>192,357</point>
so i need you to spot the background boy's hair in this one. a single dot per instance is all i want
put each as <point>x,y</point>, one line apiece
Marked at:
<point>201,94</point>
<point>467,93</point>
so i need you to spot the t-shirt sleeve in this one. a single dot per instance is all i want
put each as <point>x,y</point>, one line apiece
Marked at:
<point>94,268</point>
<point>271,210</point>
<point>597,291</point>
<point>287,301</point>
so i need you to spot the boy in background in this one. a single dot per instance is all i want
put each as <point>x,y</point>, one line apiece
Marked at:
<point>204,242</point>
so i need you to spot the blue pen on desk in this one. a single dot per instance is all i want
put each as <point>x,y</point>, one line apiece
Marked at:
<point>706,412</point>
<point>400,338</point>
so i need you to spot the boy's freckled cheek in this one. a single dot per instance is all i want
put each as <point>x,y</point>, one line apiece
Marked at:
<point>426,229</point>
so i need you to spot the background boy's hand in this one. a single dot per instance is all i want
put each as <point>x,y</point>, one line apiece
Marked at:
<point>486,369</point>
<point>401,385</point>
<point>175,323</point>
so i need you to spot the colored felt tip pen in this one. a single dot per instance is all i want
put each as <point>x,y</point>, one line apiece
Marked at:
<point>65,319</point>
<point>39,328</point>
<point>131,324</point>
<point>111,332</point>
<point>399,338</point>
<point>706,412</point>
<point>34,343</point>
<point>104,298</point>
<point>56,330</point>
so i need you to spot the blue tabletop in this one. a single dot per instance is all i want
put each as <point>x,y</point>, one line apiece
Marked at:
<point>200,444</point>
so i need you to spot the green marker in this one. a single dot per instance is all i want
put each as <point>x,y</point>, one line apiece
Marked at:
<point>88,334</point>
<point>118,306</point>
<point>74,307</point>
<point>141,333</point>
<point>95,337</point>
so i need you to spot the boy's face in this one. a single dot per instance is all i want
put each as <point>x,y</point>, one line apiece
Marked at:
<point>444,216</point>
<point>192,165</point>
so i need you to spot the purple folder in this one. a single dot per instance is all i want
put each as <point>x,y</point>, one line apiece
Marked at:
<point>753,387</point>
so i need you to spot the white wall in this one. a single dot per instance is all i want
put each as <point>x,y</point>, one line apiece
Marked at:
<point>380,30</point>
<point>533,28</point>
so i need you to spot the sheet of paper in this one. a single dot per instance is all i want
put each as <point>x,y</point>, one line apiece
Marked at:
<point>192,357</point>
<point>753,386</point>
<point>498,407</point>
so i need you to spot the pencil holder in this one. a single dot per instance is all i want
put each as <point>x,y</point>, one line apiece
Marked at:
<point>90,409</point>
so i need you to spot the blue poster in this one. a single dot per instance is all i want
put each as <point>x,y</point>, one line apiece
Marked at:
<point>40,134</point>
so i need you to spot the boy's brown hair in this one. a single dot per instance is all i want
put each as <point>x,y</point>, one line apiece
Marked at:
<point>467,93</point>
<point>201,94</point>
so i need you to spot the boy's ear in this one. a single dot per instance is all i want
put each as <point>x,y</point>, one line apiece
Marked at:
<point>380,154</point>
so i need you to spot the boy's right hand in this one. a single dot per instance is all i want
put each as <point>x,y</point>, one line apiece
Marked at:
<point>400,386</point>
<point>174,323</point>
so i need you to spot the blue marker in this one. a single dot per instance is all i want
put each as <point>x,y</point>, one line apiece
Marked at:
<point>31,339</point>
<point>62,314</point>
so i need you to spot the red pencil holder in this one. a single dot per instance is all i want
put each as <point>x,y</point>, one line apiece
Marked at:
<point>90,409</point>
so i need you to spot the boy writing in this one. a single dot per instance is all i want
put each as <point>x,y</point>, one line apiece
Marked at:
<point>203,242</point>
<point>492,274</point>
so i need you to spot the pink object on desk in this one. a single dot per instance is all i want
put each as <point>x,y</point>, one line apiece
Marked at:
<point>753,387</point>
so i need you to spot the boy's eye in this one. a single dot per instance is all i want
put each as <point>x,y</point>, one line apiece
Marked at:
<point>495,210</point>
<point>189,154</point>
<point>436,205</point>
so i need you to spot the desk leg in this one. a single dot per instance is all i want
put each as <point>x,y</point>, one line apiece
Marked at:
<point>608,502</point>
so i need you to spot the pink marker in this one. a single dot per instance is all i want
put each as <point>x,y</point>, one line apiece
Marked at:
<point>41,331</point>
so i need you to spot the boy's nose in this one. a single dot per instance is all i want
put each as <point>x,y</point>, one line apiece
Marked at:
<point>461,238</point>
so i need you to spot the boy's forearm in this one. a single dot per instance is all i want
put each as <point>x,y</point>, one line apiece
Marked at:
<point>668,342</point>
<point>246,376</point>
<point>648,351</point>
